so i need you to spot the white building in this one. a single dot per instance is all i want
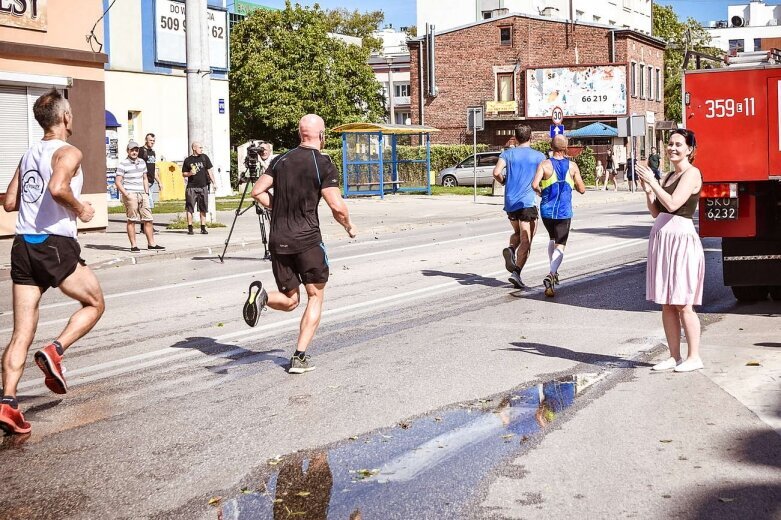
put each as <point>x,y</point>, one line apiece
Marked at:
<point>391,68</point>
<point>746,26</point>
<point>624,14</point>
<point>146,88</point>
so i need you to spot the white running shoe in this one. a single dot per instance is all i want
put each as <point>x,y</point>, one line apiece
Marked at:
<point>690,365</point>
<point>668,364</point>
<point>515,279</point>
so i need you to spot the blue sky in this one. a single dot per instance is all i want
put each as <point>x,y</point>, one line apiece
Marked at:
<point>402,12</point>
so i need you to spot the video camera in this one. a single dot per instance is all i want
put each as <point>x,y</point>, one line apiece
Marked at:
<point>251,162</point>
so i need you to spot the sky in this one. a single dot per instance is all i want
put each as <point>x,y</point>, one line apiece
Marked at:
<point>401,13</point>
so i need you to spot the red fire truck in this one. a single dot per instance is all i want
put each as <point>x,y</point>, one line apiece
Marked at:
<point>735,113</point>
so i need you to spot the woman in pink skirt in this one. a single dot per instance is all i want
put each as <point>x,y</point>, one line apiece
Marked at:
<point>676,262</point>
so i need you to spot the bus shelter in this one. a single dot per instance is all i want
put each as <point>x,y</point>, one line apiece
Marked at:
<point>371,162</point>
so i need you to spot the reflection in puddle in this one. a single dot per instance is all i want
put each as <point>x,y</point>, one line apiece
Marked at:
<point>425,467</point>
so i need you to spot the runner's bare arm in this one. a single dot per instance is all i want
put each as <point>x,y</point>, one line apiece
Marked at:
<point>260,190</point>
<point>538,177</point>
<point>498,169</point>
<point>13,193</point>
<point>579,184</point>
<point>333,197</point>
<point>65,166</point>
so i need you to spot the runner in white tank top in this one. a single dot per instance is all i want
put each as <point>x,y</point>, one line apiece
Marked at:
<point>45,190</point>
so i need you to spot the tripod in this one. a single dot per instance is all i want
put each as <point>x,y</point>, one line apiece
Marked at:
<point>263,217</point>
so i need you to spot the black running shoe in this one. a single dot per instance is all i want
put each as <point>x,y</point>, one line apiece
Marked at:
<point>509,259</point>
<point>256,302</point>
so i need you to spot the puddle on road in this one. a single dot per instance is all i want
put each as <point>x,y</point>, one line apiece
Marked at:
<point>423,468</point>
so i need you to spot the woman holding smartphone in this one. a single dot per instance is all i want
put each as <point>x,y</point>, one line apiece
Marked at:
<point>676,262</point>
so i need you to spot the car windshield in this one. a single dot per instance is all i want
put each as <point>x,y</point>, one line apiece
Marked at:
<point>468,162</point>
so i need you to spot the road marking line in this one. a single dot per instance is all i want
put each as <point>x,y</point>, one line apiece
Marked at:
<point>167,354</point>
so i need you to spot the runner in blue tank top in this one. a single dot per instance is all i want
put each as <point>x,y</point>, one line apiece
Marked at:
<point>516,169</point>
<point>554,181</point>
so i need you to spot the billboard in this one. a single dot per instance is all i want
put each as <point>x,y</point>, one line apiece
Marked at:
<point>27,14</point>
<point>170,44</point>
<point>595,90</point>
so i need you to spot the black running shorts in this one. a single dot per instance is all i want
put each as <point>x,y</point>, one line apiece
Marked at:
<point>196,197</point>
<point>46,264</point>
<point>310,266</point>
<point>558,229</point>
<point>524,214</point>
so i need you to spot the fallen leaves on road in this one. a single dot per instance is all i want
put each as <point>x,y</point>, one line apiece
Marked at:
<point>405,425</point>
<point>215,501</point>
<point>274,461</point>
<point>365,473</point>
<point>753,364</point>
<point>303,494</point>
<point>220,324</point>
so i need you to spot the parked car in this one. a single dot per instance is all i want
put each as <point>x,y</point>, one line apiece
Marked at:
<point>462,174</point>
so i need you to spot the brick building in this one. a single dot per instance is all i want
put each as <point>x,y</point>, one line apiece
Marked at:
<point>493,63</point>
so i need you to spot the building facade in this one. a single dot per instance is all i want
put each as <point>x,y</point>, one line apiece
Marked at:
<point>146,87</point>
<point>43,46</point>
<point>391,68</point>
<point>754,26</point>
<point>518,68</point>
<point>620,14</point>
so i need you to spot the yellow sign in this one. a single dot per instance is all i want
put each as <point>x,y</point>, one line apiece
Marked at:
<point>26,14</point>
<point>494,107</point>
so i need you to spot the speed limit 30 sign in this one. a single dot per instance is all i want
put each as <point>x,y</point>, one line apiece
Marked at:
<point>557,115</point>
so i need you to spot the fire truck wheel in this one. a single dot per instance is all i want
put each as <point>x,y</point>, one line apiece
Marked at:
<point>775,293</point>
<point>751,293</point>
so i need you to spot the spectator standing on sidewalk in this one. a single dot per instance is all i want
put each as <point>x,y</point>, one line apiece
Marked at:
<point>653,163</point>
<point>45,190</point>
<point>676,261</point>
<point>197,170</point>
<point>300,178</point>
<point>147,154</point>
<point>133,185</point>
<point>610,170</point>
<point>515,169</point>
<point>554,181</point>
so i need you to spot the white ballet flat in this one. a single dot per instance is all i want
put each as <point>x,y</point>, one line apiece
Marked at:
<point>668,364</point>
<point>690,365</point>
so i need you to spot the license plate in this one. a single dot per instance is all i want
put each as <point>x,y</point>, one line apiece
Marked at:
<point>721,209</point>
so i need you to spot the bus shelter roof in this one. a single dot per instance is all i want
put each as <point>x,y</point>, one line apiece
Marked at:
<point>387,129</point>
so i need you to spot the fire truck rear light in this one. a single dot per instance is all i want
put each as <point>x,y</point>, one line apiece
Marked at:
<point>720,191</point>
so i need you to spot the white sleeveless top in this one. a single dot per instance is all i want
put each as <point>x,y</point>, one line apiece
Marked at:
<point>39,213</point>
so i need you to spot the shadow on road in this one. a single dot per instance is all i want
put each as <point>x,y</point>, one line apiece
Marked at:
<point>540,349</point>
<point>466,278</point>
<point>236,356</point>
<point>106,247</point>
<point>635,231</point>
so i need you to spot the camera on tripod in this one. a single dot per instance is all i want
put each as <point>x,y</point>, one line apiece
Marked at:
<point>252,162</point>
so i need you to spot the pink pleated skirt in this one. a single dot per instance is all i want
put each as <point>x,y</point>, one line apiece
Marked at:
<point>676,262</point>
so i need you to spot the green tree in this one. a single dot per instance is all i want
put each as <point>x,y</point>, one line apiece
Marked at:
<point>284,65</point>
<point>358,24</point>
<point>680,37</point>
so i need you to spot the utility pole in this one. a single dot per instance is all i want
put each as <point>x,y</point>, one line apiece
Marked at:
<point>199,113</point>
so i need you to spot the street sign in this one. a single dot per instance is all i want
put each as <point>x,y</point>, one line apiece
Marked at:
<point>557,116</point>
<point>556,130</point>
<point>475,119</point>
<point>221,105</point>
<point>631,126</point>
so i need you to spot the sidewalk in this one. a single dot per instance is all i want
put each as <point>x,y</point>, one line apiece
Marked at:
<point>372,215</point>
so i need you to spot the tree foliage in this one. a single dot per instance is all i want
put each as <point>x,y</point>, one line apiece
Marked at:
<point>285,65</point>
<point>358,24</point>
<point>680,37</point>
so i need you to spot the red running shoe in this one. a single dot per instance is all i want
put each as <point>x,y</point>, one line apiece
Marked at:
<point>12,420</point>
<point>48,360</point>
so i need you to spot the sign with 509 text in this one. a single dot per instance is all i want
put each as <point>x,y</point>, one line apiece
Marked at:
<point>170,41</point>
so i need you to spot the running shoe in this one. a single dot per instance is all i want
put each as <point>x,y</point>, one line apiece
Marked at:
<point>515,279</point>
<point>12,420</point>
<point>299,366</point>
<point>256,302</point>
<point>50,363</point>
<point>556,279</point>
<point>509,259</point>
<point>548,282</point>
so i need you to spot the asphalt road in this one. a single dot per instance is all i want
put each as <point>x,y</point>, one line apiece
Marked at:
<point>438,389</point>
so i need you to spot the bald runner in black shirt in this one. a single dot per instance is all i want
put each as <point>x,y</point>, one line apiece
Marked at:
<point>300,178</point>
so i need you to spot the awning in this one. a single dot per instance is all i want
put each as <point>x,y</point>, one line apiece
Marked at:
<point>111,120</point>
<point>362,128</point>
<point>594,130</point>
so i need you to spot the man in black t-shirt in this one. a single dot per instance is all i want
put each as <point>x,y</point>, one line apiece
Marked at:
<point>147,154</point>
<point>300,178</point>
<point>197,170</point>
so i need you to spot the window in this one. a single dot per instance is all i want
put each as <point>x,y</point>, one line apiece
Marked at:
<point>469,162</point>
<point>486,15</point>
<point>402,118</point>
<point>736,46</point>
<point>627,5</point>
<point>505,36</point>
<point>633,79</point>
<point>641,83</point>
<point>487,160</point>
<point>757,44</point>
<point>658,84</point>
<point>650,82</point>
<point>505,89</point>
<point>579,15</point>
<point>401,90</point>
<point>660,93</point>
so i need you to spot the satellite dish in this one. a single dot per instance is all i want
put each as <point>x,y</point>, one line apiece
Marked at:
<point>737,21</point>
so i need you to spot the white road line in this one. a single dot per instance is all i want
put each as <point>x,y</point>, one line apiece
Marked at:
<point>166,354</point>
<point>253,273</point>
